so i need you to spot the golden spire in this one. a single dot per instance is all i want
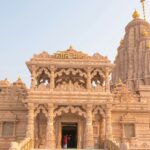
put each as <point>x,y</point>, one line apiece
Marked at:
<point>143,6</point>
<point>136,14</point>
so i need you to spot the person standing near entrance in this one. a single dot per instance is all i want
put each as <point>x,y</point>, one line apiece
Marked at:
<point>65,141</point>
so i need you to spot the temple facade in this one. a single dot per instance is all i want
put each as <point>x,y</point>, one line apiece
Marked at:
<point>73,102</point>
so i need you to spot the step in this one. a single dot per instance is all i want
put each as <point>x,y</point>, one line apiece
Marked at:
<point>65,149</point>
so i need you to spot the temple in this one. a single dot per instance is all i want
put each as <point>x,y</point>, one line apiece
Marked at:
<point>80,101</point>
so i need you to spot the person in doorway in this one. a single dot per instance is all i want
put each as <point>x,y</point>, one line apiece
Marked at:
<point>65,141</point>
<point>69,141</point>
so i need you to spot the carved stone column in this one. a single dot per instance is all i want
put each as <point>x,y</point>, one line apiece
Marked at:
<point>79,135</point>
<point>59,135</point>
<point>89,141</point>
<point>89,84</point>
<point>50,127</point>
<point>123,133</point>
<point>1,127</point>
<point>108,124</point>
<point>103,128</point>
<point>30,123</point>
<point>52,78</point>
<point>33,79</point>
<point>107,85</point>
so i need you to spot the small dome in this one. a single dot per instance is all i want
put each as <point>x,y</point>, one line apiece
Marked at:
<point>19,83</point>
<point>4,83</point>
<point>135,15</point>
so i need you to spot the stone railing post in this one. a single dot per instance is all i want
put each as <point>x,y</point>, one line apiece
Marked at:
<point>89,141</point>
<point>30,123</point>
<point>52,78</point>
<point>89,84</point>
<point>108,124</point>
<point>50,127</point>
<point>124,145</point>
<point>14,146</point>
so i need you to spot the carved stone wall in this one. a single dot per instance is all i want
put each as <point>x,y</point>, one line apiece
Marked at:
<point>13,111</point>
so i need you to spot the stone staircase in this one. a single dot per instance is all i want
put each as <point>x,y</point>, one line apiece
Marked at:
<point>64,149</point>
<point>28,144</point>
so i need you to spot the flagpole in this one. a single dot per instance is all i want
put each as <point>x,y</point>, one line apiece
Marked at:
<point>143,6</point>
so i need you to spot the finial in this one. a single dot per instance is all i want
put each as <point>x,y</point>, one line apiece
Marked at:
<point>148,45</point>
<point>71,47</point>
<point>143,6</point>
<point>19,78</point>
<point>145,33</point>
<point>119,81</point>
<point>121,42</point>
<point>135,14</point>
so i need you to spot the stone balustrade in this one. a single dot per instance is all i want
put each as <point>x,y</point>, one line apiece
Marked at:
<point>26,144</point>
<point>111,145</point>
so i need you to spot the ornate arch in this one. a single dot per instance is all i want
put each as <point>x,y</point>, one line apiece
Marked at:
<point>39,108</point>
<point>46,71</point>
<point>94,73</point>
<point>71,70</point>
<point>97,110</point>
<point>68,109</point>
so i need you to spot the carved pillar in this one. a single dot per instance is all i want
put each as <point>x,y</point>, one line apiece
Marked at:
<point>59,135</point>
<point>123,133</point>
<point>52,78</point>
<point>89,141</point>
<point>33,79</point>
<point>107,85</point>
<point>79,135</point>
<point>108,124</point>
<point>103,128</point>
<point>50,127</point>
<point>89,84</point>
<point>30,123</point>
<point>1,127</point>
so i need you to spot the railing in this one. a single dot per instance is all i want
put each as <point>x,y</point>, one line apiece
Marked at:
<point>110,145</point>
<point>26,144</point>
<point>139,148</point>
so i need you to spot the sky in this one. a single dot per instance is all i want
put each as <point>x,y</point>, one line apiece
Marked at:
<point>28,27</point>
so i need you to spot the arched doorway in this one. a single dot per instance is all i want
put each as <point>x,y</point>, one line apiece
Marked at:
<point>70,127</point>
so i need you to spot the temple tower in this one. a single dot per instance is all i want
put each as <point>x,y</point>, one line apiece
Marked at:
<point>132,63</point>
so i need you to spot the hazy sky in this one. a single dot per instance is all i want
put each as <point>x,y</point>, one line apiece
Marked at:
<point>31,26</point>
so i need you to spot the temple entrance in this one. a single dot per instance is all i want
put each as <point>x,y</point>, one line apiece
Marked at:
<point>69,135</point>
